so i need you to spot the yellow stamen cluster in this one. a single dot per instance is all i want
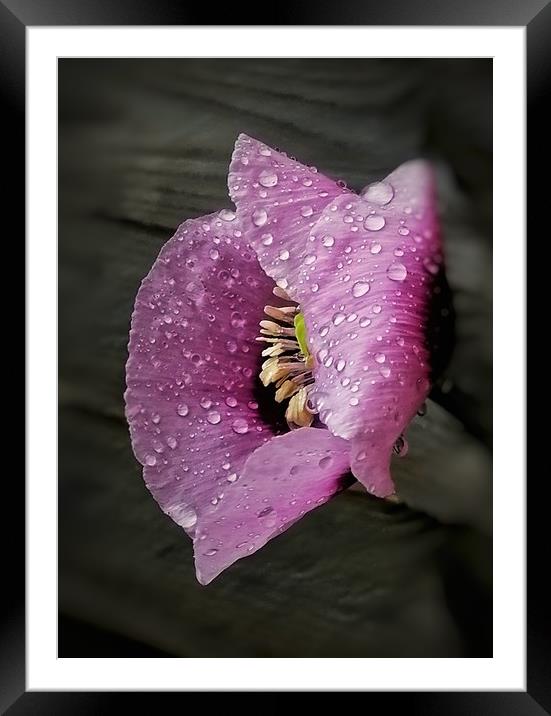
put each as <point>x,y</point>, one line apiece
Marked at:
<point>286,365</point>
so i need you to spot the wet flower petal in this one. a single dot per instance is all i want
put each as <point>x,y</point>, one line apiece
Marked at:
<point>368,321</point>
<point>278,200</point>
<point>193,361</point>
<point>281,481</point>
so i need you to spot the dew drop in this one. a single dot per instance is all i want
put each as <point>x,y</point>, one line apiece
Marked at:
<point>267,239</point>
<point>377,308</point>
<point>185,516</point>
<point>396,272</point>
<point>267,178</point>
<point>364,321</point>
<point>325,462</point>
<point>431,266</point>
<point>380,357</point>
<point>380,192</point>
<point>227,215</point>
<point>259,217</point>
<point>171,442</point>
<point>338,318</point>
<point>360,288</point>
<point>306,211</point>
<point>309,259</point>
<point>231,401</point>
<point>328,241</point>
<point>214,417</point>
<point>232,477</point>
<point>374,222</point>
<point>240,426</point>
<point>150,460</point>
<point>211,552</point>
<point>283,255</point>
<point>340,365</point>
<point>376,248</point>
<point>401,446</point>
<point>182,410</point>
<point>384,371</point>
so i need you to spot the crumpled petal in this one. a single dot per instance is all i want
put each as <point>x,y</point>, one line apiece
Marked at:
<point>278,201</point>
<point>366,298</point>
<point>281,481</point>
<point>191,398</point>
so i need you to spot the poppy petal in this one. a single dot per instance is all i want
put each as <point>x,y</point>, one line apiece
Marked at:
<point>278,201</point>
<point>193,360</point>
<point>366,300</point>
<point>281,481</point>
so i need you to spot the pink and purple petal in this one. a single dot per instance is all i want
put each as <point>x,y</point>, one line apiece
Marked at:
<point>193,360</point>
<point>280,482</point>
<point>366,296</point>
<point>278,201</point>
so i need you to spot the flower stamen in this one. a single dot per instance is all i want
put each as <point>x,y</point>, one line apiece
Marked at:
<point>288,362</point>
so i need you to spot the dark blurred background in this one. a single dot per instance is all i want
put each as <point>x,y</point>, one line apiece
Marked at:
<point>145,144</point>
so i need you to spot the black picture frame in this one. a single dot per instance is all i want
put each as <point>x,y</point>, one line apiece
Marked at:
<point>15,17</point>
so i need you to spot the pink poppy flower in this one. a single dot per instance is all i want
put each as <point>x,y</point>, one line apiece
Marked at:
<point>307,287</point>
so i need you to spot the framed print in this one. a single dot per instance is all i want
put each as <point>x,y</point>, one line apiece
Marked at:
<point>275,355</point>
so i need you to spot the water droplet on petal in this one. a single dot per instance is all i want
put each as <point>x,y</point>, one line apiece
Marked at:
<point>213,417</point>
<point>211,552</point>
<point>183,515</point>
<point>380,357</point>
<point>182,410</point>
<point>396,272</point>
<point>227,215</point>
<point>328,241</point>
<point>374,222</point>
<point>431,266</point>
<point>338,318</point>
<point>360,288</point>
<point>283,255</point>
<point>150,460</point>
<point>231,401</point>
<point>384,371</point>
<point>365,322</point>
<point>376,248</point>
<point>240,426</point>
<point>401,446</point>
<point>267,178</point>
<point>260,217</point>
<point>306,211</point>
<point>267,239</point>
<point>325,462</point>
<point>380,192</point>
<point>340,365</point>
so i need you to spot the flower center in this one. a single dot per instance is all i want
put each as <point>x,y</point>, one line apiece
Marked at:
<point>288,361</point>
